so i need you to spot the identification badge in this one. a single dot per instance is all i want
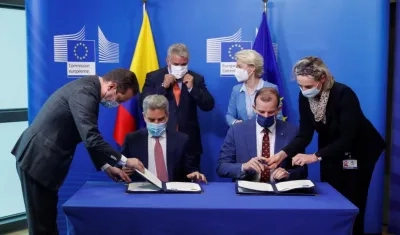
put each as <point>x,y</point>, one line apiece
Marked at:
<point>349,164</point>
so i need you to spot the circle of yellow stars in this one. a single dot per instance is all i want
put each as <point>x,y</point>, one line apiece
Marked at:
<point>76,53</point>
<point>234,46</point>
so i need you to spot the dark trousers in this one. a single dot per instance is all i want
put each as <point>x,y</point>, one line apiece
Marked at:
<point>40,205</point>
<point>352,184</point>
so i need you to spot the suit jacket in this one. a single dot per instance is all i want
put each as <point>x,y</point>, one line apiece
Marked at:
<point>179,162</point>
<point>240,146</point>
<point>45,149</point>
<point>347,130</point>
<point>184,115</point>
<point>237,104</point>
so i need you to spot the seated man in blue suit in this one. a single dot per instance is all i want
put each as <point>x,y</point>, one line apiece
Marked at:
<point>163,153</point>
<point>250,142</point>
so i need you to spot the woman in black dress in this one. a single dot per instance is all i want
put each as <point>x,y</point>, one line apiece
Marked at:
<point>348,144</point>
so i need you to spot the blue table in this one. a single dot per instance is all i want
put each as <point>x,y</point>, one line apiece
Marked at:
<point>104,208</point>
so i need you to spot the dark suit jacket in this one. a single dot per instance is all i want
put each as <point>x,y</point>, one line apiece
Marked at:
<point>45,149</point>
<point>179,162</point>
<point>347,130</point>
<point>185,115</point>
<point>240,146</point>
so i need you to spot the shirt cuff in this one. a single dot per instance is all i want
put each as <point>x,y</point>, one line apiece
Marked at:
<point>122,161</point>
<point>103,168</point>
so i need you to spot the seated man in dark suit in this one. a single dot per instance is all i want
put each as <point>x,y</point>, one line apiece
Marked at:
<point>249,143</point>
<point>163,153</point>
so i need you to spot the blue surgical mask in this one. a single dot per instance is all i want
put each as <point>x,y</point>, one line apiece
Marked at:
<point>310,93</point>
<point>155,129</point>
<point>265,122</point>
<point>109,103</point>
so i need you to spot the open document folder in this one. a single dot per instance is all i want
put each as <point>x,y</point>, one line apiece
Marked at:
<point>154,185</point>
<point>293,187</point>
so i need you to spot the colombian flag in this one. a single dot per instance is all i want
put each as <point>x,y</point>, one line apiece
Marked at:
<point>144,60</point>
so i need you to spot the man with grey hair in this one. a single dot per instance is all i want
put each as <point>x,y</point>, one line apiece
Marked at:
<point>185,90</point>
<point>163,153</point>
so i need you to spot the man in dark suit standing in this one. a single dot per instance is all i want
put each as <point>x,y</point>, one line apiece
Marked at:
<point>45,149</point>
<point>163,153</point>
<point>185,90</point>
<point>250,143</point>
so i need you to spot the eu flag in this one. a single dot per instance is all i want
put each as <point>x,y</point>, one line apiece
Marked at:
<point>263,45</point>
<point>81,51</point>
<point>229,49</point>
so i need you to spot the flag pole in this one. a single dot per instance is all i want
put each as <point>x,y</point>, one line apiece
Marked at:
<point>265,5</point>
<point>144,5</point>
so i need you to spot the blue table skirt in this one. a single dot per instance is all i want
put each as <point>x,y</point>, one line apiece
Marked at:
<point>102,208</point>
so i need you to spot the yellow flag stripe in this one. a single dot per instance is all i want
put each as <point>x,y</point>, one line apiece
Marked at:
<point>145,57</point>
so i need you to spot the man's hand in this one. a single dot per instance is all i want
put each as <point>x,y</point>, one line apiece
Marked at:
<point>135,163</point>
<point>168,80</point>
<point>302,159</point>
<point>188,81</point>
<point>128,171</point>
<point>274,161</point>
<point>255,164</point>
<point>280,173</point>
<point>197,176</point>
<point>117,174</point>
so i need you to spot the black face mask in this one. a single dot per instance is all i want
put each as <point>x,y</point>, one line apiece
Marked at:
<point>265,122</point>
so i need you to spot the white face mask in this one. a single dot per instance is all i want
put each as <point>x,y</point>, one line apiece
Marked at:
<point>178,71</point>
<point>241,75</point>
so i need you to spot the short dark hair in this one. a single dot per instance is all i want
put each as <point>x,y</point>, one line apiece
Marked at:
<point>267,94</point>
<point>124,78</point>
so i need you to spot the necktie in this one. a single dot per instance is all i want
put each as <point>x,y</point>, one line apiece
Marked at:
<point>265,174</point>
<point>161,168</point>
<point>177,93</point>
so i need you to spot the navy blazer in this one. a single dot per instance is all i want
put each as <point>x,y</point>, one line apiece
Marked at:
<point>179,163</point>
<point>241,145</point>
<point>184,115</point>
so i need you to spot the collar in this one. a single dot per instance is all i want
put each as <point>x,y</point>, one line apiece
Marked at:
<point>259,86</point>
<point>259,129</point>
<point>163,135</point>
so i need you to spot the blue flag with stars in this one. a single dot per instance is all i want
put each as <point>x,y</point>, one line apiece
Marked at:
<point>263,45</point>
<point>229,49</point>
<point>81,51</point>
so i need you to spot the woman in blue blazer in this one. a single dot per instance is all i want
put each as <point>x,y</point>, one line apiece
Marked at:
<point>249,70</point>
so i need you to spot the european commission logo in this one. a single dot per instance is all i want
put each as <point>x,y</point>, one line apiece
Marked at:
<point>79,53</point>
<point>222,50</point>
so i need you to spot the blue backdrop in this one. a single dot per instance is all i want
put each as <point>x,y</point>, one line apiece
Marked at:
<point>351,36</point>
<point>394,203</point>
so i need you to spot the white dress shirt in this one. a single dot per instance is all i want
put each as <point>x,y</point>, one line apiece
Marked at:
<point>151,158</point>
<point>260,135</point>
<point>259,139</point>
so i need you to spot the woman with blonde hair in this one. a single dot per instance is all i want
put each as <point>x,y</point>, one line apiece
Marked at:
<point>348,144</point>
<point>249,71</point>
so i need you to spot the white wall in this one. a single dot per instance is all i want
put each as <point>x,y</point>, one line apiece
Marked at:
<point>13,94</point>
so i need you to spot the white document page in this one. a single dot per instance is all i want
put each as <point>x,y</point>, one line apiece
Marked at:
<point>256,186</point>
<point>183,186</point>
<point>293,184</point>
<point>142,187</point>
<point>150,177</point>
